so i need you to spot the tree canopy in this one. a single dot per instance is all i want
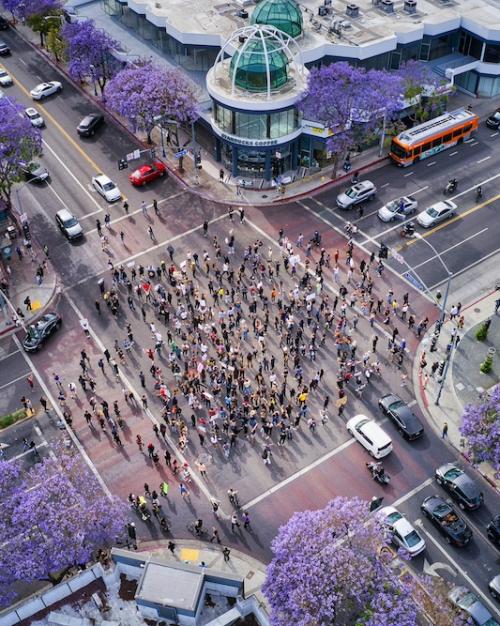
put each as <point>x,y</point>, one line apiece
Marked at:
<point>481,429</point>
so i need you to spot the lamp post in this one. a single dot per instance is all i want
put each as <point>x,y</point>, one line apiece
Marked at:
<point>92,68</point>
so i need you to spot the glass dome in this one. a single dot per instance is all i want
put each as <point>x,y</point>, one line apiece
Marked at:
<point>282,14</point>
<point>260,64</point>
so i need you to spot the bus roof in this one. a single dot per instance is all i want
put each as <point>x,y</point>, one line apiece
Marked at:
<point>438,125</point>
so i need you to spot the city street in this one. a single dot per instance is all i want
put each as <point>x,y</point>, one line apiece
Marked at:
<point>313,465</point>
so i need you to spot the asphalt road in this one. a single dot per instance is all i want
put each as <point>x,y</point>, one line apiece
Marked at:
<point>314,467</point>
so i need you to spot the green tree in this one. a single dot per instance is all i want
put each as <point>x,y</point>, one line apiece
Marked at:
<point>55,44</point>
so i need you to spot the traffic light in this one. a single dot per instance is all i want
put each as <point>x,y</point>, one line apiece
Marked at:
<point>441,367</point>
<point>383,251</point>
<point>197,160</point>
<point>26,231</point>
<point>122,164</point>
<point>152,153</point>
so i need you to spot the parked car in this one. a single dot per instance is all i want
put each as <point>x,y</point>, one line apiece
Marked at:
<point>5,78</point>
<point>360,192</point>
<point>4,24</point>
<point>39,332</point>
<point>403,417</point>
<point>398,209</point>
<point>43,90</point>
<point>34,117</point>
<point>460,486</point>
<point>147,173</point>
<point>466,600</point>
<point>493,531</point>
<point>69,225</point>
<point>4,49</point>
<point>494,587</point>
<point>370,435</point>
<point>106,187</point>
<point>494,120</point>
<point>402,533</point>
<point>89,124</point>
<point>444,517</point>
<point>34,172</point>
<point>437,213</point>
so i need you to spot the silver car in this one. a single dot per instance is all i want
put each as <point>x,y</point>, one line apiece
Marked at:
<point>34,117</point>
<point>398,209</point>
<point>437,213</point>
<point>466,600</point>
<point>360,192</point>
<point>68,224</point>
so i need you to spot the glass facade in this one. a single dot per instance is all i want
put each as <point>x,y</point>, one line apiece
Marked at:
<point>251,66</point>
<point>249,125</point>
<point>284,15</point>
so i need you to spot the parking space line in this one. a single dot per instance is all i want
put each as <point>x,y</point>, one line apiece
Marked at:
<point>384,185</point>
<point>42,444</point>
<point>7,356</point>
<point>412,492</point>
<point>435,256</point>
<point>15,380</point>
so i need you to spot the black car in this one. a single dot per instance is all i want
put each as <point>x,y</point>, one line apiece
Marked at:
<point>4,49</point>
<point>494,120</point>
<point>35,173</point>
<point>460,486</point>
<point>4,24</point>
<point>39,332</point>
<point>406,421</point>
<point>89,124</point>
<point>443,516</point>
<point>493,531</point>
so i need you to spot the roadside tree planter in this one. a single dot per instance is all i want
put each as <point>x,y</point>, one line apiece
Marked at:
<point>487,365</point>
<point>482,331</point>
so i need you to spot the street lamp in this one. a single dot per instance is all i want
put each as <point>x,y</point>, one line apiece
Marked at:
<point>92,68</point>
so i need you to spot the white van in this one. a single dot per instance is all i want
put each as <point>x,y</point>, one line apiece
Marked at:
<point>370,436</point>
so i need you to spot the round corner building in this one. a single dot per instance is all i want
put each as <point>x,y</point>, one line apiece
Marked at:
<point>255,84</point>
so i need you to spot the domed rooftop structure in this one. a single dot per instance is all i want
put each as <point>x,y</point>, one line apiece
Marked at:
<point>285,15</point>
<point>263,61</point>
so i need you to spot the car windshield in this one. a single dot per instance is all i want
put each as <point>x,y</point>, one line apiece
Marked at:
<point>108,186</point>
<point>351,193</point>
<point>496,116</point>
<point>32,114</point>
<point>71,221</point>
<point>452,473</point>
<point>467,600</point>
<point>393,206</point>
<point>393,517</point>
<point>432,212</point>
<point>412,539</point>
<point>3,73</point>
<point>442,510</point>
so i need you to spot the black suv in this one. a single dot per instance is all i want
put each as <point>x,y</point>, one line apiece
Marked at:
<point>494,120</point>
<point>39,332</point>
<point>493,531</point>
<point>443,516</point>
<point>89,124</point>
<point>460,486</point>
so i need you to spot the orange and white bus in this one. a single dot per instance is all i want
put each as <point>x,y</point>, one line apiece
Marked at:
<point>431,137</point>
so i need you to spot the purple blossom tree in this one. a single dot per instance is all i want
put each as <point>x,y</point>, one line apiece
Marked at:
<point>52,517</point>
<point>25,9</point>
<point>144,91</point>
<point>421,88</point>
<point>327,568</point>
<point>350,101</point>
<point>88,49</point>
<point>19,143</point>
<point>481,429</point>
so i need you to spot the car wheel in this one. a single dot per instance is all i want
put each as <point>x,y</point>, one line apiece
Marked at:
<point>350,431</point>
<point>42,97</point>
<point>426,514</point>
<point>143,183</point>
<point>162,174</point>
<point>494,594</point>
<point>59,89</point>
<point>370,452</point>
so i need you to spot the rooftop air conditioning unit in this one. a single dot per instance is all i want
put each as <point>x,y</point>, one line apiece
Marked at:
<point>243,13</point>
<point>387,6</point>
<point>352,10</point>
<point>410,6</point>
<point>327,3</point>
<point>376,3</point>
<point>322,11</point>
<point>242,38</point>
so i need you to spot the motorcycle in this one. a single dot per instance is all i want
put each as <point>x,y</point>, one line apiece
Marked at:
<point>451,186</point>
<point>316,238</point>
<point>479,193</point>
<point>408,230</point>
<point>378,473</point>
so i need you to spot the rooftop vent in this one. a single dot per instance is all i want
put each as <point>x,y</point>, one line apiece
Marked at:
<point>410,6</point>
<point>322,11</point>
<point>387,6</point>
<point>242,38</point>
<point>376,3</point>
<point>243,13</point>
<point>352,10</point>
<point>327,3</point>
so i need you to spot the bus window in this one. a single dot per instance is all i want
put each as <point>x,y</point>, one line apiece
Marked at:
<point>398,151</point>
<point>416,151</point>
<point>426,146</point>
<point>447,138</point>
<point>437,142</point>
<point>467,128</point>
<point>457,133</point>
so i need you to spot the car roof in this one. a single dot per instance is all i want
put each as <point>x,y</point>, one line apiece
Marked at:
<point>102,178</point>
<point>64,214</point>
<point>443,204</point>
<point>31,110</point>
<point>372,429</point>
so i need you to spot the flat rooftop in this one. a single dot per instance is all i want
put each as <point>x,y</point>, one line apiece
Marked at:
<point>170,585</point>
<point>336,33</point>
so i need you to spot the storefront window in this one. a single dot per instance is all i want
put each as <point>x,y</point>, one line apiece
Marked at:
<point>492,54</point>
<point>283,123</point>
<point>223,118</point>
<point>251,125</point>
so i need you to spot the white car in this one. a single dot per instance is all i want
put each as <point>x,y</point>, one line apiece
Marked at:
<point>5,78</point>
<point>398,209</point>
<point>402,533</point>
<point>43,90</point>
<point>437,213</point>
<point>34,117</point>
<point>106,187</point>
<point>370,436</point>
<point>360,192</point>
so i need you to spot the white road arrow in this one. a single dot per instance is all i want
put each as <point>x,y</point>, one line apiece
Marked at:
<point>431,568</point>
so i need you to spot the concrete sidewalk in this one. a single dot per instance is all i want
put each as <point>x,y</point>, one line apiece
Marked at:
<point>464,383</point>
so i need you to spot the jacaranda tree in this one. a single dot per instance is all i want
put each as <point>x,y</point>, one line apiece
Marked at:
<point>481,430</point>
<point>421,89</point>
<point>144,91</point>
<point>328,568</point>
<point>88,49</point>
<point>351,101</point>
<point>19,143</point>
<point>40,15</point>
<point>52,517</point>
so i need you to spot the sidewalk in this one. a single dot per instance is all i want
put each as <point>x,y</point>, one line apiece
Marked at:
<point>22,283</point>
<point>464,382</point>
<point>193,552</point>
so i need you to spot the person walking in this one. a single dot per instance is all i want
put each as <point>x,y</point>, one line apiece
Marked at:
<point>30,381</point>
<point>122,237</point>
<point>215,535</point>
<point>155,207</point>
<point>171,546</point>
<point>226,552</point>
<point>205,228</point>
<point>234,522</point>
<point>241,211</point>
<point>164,488</point>
<point>246,520</point>
<point>144,208</point>
<point>444,432</point>
<point>125,206</point>
<point>151,233</point>
<point>44,404</point>
<point>183,490</point>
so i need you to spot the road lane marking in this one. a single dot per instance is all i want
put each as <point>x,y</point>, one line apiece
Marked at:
<point>53,120</point>
<point>483,160</point>
<point>42,444</point>
<point>493,134</point>
<point>453,153</point>
<point>384,185</point>
<point>435,256</point>
<point>7,356</point>
<point>412,492</point>
<point>48,394</point>
<point>431,163</point>
<point>409,174</point>
<point>467,267</point>
<point>15,380</point>
<point>414,193</point>
<point>459,569</point>
<point>24,63</point>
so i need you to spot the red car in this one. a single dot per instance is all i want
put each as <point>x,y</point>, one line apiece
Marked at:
<point>147,173</point>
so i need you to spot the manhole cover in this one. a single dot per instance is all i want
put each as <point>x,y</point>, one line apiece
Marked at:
<point>476,310</point>
<point>250,575</point>
<point>459,386</point>
<point>264,195</point>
